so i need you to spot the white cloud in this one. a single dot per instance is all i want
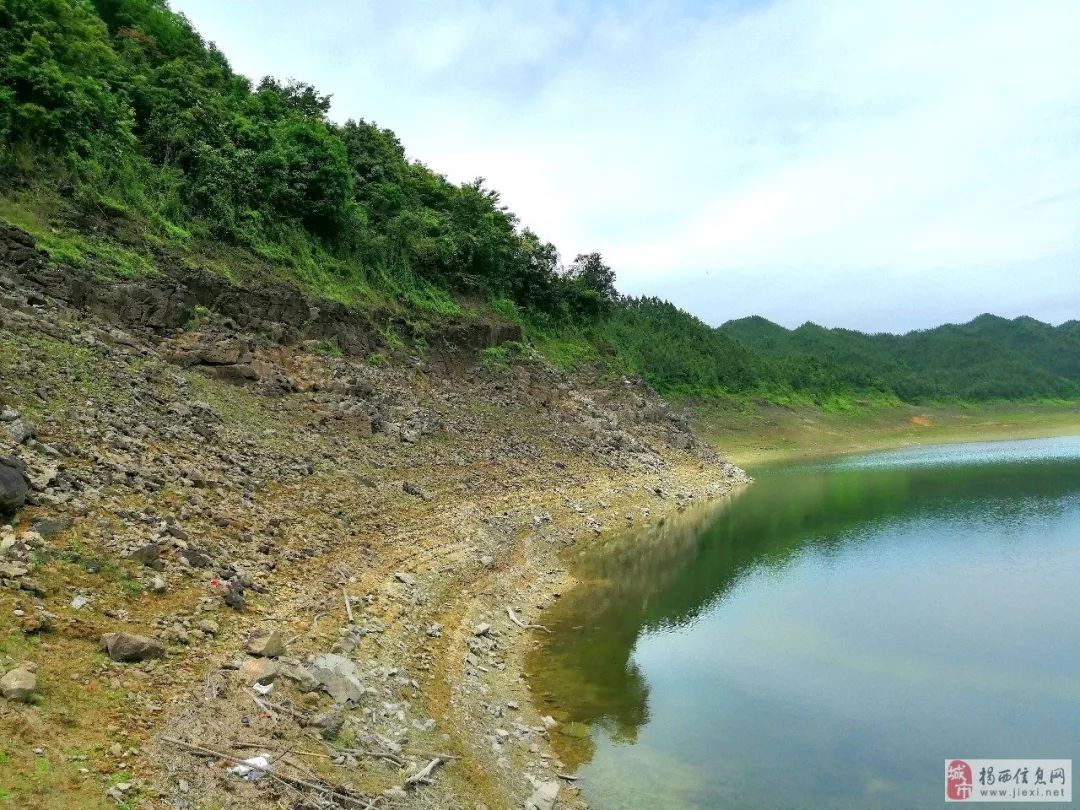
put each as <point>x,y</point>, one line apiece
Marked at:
<point>871,164</point>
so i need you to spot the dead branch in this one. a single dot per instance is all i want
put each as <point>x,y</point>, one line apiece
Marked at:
<point>334,792</point>
<point>269,706</point>
<point>348,605</point>
<point>424,774</point>
<point>523,625</point>
<point>262,705</point>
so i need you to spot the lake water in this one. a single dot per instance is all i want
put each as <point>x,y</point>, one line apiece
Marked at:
<point>827,636</point>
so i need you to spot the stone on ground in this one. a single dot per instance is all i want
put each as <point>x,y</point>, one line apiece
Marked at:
<point>131,647</point>
<point>544,795</point>
<point>266,643</point>
<point>13,486</point>
<point>19,684</point>
<point>338,677</point>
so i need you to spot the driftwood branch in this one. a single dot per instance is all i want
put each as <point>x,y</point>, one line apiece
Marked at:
<point>424,774</point>
<point>348,605</point>
<point>523,625</point>
<point>269,707</point>
<point>446,758</point>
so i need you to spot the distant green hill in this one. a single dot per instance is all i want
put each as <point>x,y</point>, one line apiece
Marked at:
<point>988,358</point>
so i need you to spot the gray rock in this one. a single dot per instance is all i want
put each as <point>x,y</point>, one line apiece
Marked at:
<point>131,647</point>
<point>43,476</point>
<point>149,555</point>
<point>20,683</point>
<point>259,670</point>
<point>209,626</point>
<point>20,430</point>
<point>545,794</point>
<point>197,558</point>
<point>13,484</point>
<point>32,586</point>
<point>13,570</point>
<point>303,678</point>
<point>338,677</point>
<point>266,643</point>
<point>50,527</point>
<point>329,723</point>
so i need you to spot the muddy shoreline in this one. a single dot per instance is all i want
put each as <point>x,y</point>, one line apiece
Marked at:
<point>392,524</point>
<point>536,576</point>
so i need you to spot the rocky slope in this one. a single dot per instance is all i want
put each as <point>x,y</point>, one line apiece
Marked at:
<point>243,523</point>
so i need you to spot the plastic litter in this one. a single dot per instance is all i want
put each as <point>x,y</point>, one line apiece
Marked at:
<point>252,768</point>
<point>263,688</point>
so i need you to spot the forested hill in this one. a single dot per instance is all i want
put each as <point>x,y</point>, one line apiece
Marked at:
<point>989,357</point>
<point>129,144</point>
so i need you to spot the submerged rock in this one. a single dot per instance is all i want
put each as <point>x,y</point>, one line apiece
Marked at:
<point>577,730</point>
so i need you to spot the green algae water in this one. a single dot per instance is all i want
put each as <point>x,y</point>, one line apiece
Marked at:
<point>828,636</point>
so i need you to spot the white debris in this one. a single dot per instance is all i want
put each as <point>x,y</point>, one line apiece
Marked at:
<point>252,768</point>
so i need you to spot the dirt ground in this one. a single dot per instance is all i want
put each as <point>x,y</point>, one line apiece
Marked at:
<point>198,484</point>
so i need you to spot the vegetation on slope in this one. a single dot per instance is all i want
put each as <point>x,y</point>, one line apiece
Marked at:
<point>126,136</point>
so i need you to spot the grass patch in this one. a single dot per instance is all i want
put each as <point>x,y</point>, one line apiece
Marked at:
<point>752,432</point>
<point>328,348</point>
<point>67,246</point>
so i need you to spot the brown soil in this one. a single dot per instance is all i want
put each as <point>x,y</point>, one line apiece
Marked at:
<point>435,492</point>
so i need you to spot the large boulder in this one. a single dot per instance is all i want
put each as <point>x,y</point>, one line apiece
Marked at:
<point>19,684</point>
<point>13,484</point>
<point>544,796</point>
<point>19,431</point>
<point>338,677</point>
<point>196,349</point>
<point>131,647</point>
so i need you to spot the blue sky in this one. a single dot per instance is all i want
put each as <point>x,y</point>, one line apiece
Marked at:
<point>875,165</point>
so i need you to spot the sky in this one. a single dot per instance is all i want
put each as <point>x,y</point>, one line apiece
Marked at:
<point>876,165</point>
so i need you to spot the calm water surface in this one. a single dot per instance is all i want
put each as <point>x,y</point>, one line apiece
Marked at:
<point>828,635</point>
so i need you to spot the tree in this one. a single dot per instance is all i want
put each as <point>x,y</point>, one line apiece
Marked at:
<point>589,270</point>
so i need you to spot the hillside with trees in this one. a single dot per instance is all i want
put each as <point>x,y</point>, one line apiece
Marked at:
<point>987,358</point>
<point>127,138</point>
